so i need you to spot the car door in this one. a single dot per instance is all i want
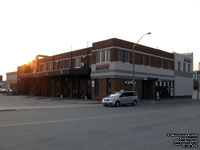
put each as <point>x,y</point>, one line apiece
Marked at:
<point>129,96</point>
<point>122,98</point>
<point>134,96</point>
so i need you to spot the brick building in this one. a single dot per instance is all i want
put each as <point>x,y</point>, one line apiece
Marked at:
<point>97,71</point>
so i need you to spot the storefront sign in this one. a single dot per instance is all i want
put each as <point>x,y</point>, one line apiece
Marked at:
<point>187,60</point>
<point>128,82</point>
<point>102,67</point>
<point>152,79</point>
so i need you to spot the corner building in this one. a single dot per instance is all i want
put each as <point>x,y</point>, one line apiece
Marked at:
<point>97,71</point>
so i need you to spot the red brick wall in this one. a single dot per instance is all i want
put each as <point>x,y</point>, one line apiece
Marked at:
<point>129,45</point>
<point>102,90</point>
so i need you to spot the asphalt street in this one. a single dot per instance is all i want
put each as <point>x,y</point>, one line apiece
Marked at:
<point>94,127</point>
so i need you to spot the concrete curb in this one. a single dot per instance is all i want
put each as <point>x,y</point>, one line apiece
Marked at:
<point>165,101</point>
<point>78,102</point>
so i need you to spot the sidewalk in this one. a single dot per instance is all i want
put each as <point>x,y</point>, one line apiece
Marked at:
<point>12,103</point>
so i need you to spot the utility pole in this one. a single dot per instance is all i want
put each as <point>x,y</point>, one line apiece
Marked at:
<point>133,73</point>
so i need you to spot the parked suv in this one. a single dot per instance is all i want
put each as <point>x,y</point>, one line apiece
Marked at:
<point>120,98</point>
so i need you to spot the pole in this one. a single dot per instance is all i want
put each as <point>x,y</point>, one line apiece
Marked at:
<point>198,85</point>
<point>133,75</point>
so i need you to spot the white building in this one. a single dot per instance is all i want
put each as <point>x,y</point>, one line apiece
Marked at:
<point>183,74</point>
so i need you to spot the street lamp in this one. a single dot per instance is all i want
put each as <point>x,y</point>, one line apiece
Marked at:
<point>134,59</point>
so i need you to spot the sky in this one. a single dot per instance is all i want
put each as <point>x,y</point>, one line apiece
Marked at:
<point>47,27</point>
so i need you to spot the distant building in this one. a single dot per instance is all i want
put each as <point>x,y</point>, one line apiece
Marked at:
<point>183,74</point>
<point>11,80</point>
<point>107,67</point>
<point>199,67</point>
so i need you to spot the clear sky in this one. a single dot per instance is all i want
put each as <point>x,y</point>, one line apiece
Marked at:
<point>31,27</point>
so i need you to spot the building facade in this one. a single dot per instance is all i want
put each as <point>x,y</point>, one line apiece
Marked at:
<point>107,66</point>
<point>183,74</point>
<point>11,80</point>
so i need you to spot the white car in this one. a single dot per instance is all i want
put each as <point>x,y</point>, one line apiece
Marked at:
<point>2,90</point>
<point>121,98</point>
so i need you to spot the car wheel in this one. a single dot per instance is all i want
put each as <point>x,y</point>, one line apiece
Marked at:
<point>134,103</point>
<point>117,103</point>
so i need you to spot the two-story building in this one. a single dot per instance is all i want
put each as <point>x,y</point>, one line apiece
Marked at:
<point>107,66</point>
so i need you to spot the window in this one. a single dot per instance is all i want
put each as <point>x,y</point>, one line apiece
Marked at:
<point>188,67</point>
<point>142,59</point>
<point>184,67</point>
<point>179,66</point>
<point>102,56</point>
<point>58,65</point>
<point>119,56</point>
<point>65,64</point>
<point>97,56</point>
<point>169,64</point>
<point>41,68</point>
<point>149,60</point>
<point>77,62</point>
<point>127,57</point>
<point>48,66</point>
<point>107,55</point>
<point>61,64</point>
<point>96,87</point>
<point>161,63</point>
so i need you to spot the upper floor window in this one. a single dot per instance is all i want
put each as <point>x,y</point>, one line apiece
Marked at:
<point>169,64</point>
<point>179,66</point>
<point>41,67</point>
<point>107,55</point>
<point>127,57</point>
<point>77,62</point>
<point>148,60</point>
<point>161,63</point>
<point>188,67</point>
<point>184,67</point>
<point>57,64</point>
<point>61,64</point>
<point>97,56</point>
<point>142,59</point>
<point>103,56</point>
<point>119,55</point>
<point>51,66</point>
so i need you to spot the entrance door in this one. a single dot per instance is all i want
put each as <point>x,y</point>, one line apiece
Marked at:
<point>148,89</point>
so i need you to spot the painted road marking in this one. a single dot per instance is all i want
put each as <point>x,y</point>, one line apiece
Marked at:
<point>92,118</point>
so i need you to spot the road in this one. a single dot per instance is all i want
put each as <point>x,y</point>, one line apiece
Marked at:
<point>94,127</point>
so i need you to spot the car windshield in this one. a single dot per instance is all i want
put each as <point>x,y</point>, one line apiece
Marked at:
<point>114,94</point>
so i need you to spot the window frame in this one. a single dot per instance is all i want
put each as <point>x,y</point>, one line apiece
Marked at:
<point>119,55</point>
